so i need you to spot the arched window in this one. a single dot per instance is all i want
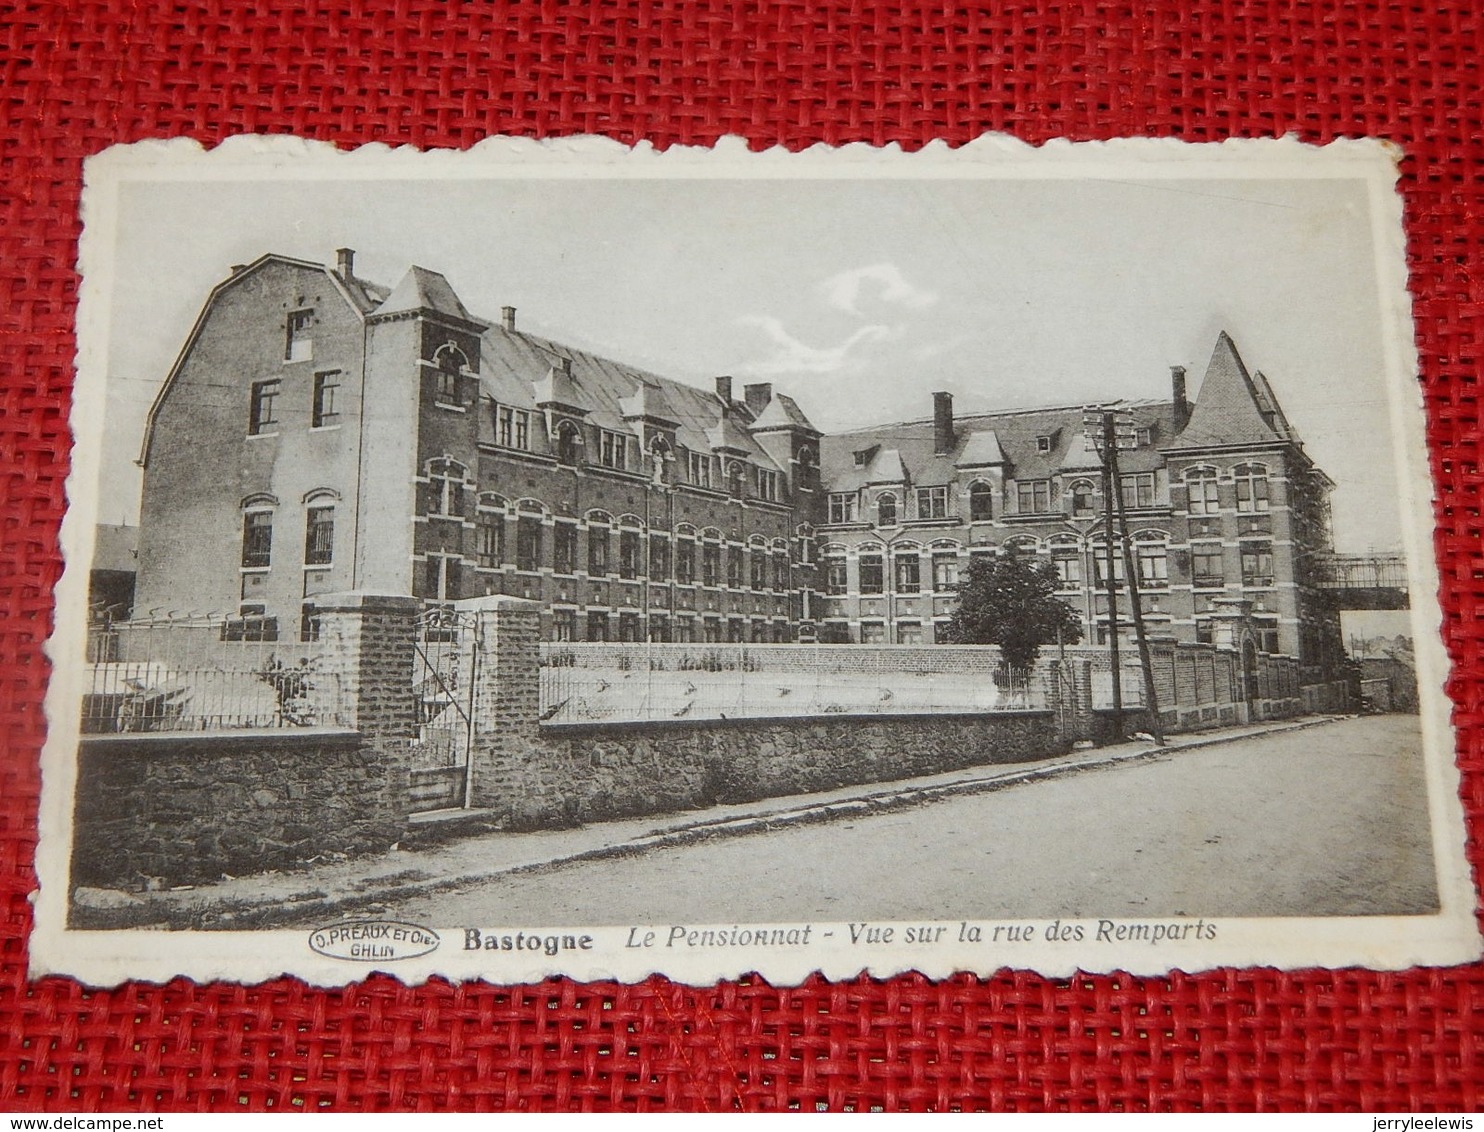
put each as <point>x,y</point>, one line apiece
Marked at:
<point>444,491</point>
<point>981,502</point>
<point>1152,555</point>
<point>1252,487</point>
<point>568,442</point>
<point>489,530</point>
<point>257,532</point>
<point>1082,500</point>
<point>451,363</point>
<point>886,509</point>
<point>1066,557</point>
<point>736,479</point>
<point>661,455</point>
<point>1200,489</point>
<point>319,528</point>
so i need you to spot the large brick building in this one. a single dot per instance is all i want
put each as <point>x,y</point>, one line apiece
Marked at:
<point>319,433</point>
<point>1221,499</point>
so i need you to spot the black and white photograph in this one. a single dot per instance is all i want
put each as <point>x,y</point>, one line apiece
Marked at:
<point>572,560</point>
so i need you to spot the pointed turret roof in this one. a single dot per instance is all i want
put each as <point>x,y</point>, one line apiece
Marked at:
<point>1233,408</point>
<point>424,290</point>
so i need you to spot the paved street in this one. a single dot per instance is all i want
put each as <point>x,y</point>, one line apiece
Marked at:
<point>1330,820</point>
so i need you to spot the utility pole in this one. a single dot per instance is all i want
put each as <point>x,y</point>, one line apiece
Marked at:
<point>1136,605</point>
<point>1103,439</point>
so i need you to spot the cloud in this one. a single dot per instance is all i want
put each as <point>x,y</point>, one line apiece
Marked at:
<point>843,291</point>
<point>792,356</point>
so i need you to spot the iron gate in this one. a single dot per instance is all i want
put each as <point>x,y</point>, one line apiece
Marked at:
<point>445,657</point>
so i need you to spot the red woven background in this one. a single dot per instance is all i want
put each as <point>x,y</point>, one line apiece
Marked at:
<point>80,76</point>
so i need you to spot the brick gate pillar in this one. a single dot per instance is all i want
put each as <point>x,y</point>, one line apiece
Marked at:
<point>366,643</point>
<point>507,697</point>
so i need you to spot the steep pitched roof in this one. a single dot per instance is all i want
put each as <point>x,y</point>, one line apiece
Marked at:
<point>558,386</point>
<point>647,402</point>
<point>1233,407</point>
<point>1016,433</point>
<point>782,412</point>
<point>424,290</point>
<point>728,436</point>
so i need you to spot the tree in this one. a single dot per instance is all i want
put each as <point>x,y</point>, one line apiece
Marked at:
<point>1007,601</point>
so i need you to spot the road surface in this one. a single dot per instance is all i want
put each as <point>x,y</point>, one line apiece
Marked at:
<point>1328,820</point>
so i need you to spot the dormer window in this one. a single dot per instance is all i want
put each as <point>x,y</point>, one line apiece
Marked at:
<point>863,456</point>
<point>886,510</point>
<point>1043,444</point>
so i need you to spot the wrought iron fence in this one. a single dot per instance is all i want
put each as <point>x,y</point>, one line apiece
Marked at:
<point>204,674</point>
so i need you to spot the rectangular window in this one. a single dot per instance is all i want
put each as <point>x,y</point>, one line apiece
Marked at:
<point>758,573</point>
<point>308,622</point>
<point>700,469</point>
<point>909,574</point>
<point>659,558</point>
<point>834,575</point>
<point>628,627</point>
<point>597,626</point>
<point>1068,570</point>
<point>1203,495</point>
<point>319,536</point>
<point>767,485</point>
<point>1206,567</point>
<point>909,633</point>
<point>932,503</point>
<point>1154,565</point>
<point>872,581</point>
<point>513,428</point>
<point>528,543</point>
<point>326,389</point>
<point>873,633</point>
<point>1204,633</point>
<point>685,562</point>
<point>257,539</point>
<point>490,538</point>
<point>710,565</point>
<point>1257,564</point>
<point>263,411</point>
<point>734,567</point>
<point>597,552</point>
<point>563,624</point>
<point>1033,497</point>
<point>564,548</point>
<point>298,346</point>
<point>1266,631</point>
<point>628,554</point>
<point>613,449</point>
<point>780,571</point>
<point>1138,490</point>
<point>659,628</point>
<point>945,572</point>
<point>1252,493</point>
<point>1100,565</point>
<point>842,507</point>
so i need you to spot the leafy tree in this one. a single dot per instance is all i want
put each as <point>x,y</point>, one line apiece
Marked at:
<point>1007,601</point>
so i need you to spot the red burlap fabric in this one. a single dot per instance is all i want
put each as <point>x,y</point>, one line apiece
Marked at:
<point>78,76</point>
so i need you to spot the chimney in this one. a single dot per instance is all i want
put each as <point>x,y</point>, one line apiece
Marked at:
<point>345,263</point>
<point>943,438</point>
<point>724,389</point>
<point>758,396</point>
<point>1177,392</point>
<point>507,318</point>
<point>567,365</point>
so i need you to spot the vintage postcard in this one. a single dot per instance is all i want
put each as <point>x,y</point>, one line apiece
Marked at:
<point>561,558</point>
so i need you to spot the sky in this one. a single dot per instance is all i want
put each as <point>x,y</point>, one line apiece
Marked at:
<point>857,296</point>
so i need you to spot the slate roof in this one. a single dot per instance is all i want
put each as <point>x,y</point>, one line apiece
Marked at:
<point>424,290</point>
<point>1014,433</point>
<point>1234,407</point>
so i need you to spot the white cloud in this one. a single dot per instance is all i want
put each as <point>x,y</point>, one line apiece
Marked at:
<point>843,291</point>
<point>792,356</point>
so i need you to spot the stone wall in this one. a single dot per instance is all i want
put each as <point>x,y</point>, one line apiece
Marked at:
<point>186,808</point>
<point>570,773</point>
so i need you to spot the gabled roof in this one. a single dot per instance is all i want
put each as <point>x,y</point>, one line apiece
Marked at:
<point>424,290</point>
<point>1233,408</point>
